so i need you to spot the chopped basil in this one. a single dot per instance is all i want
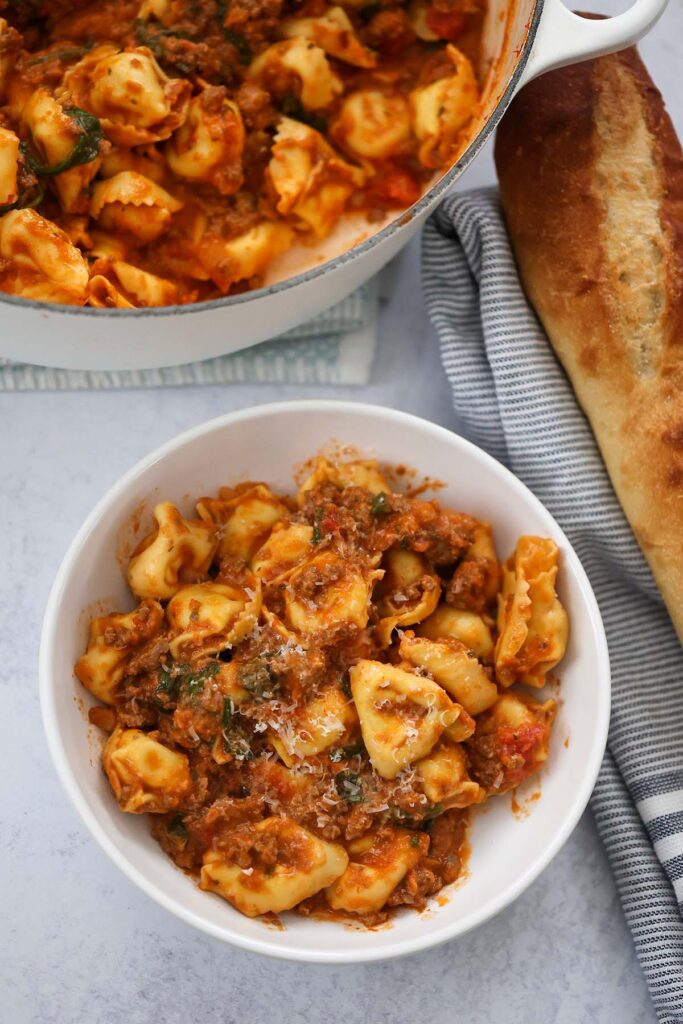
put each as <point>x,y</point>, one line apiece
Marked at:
<point>349,787</point>
<point>85,149</point>
<point>345,753</point>
<point>346,685</point>
<point>181,679</point>
<point>380,505</point>
<point>258,678</point>
<point>414,840</point>
<point>193,682</point>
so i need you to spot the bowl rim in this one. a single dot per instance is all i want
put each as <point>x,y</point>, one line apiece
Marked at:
<point>427,937</point>
<point>402,217</point>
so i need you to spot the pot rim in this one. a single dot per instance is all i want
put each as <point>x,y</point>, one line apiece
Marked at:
<point>436,191</point>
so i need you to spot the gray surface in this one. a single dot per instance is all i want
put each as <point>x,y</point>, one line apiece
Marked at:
<point>77,941</point>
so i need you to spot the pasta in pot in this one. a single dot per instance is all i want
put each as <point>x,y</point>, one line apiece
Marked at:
<point>204,142</point>
<point>270,703</point>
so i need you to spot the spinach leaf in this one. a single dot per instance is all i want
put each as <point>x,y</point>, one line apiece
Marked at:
<point>349,787</point>
<point>380,505</point>
<point>258,678</point>
<point>345,753</point>
<point>85,149</point>
<point>177,827</point>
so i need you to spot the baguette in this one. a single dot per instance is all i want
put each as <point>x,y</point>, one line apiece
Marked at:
<point>591,182</point>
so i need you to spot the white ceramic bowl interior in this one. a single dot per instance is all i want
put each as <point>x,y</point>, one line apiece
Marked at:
<point>508,851</point>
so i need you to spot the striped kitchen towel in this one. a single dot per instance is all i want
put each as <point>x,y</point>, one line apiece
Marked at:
<point>335,347</point>
<point>517,403</point>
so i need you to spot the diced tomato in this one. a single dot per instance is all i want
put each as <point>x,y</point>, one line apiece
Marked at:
<point>396,187</point>
<point>446,24</point>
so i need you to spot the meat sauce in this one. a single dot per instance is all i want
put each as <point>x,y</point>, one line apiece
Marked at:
<point>274,723</point>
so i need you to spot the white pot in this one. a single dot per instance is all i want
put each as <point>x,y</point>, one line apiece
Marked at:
<point>267,443</point>
<point>522,39</point>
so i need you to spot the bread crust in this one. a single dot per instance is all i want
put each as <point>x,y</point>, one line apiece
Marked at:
<point>591,181</point>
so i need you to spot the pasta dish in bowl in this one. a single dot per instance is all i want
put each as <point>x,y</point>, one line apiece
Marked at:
<point>296,742</point>
<point>303,697</point>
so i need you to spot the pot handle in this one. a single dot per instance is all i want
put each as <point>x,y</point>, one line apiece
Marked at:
<point>566,38</point>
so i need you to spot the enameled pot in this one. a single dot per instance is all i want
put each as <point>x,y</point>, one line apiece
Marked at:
<point>522,39</point>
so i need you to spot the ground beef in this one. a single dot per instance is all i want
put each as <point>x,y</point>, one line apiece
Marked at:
<point>390,31</point>
<point>467,587</point>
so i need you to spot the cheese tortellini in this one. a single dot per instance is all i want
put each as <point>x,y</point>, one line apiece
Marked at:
<point>42,263</point>
<point>442,109</point>
<point>303,865</point>
<point>208,146</point>
<point>300,66</point>
<point>134,205</point>
<point>312,183</point>
<point>184,149</point>
<point>145,775</point>
<point>532,624</point>
<point>296,744</point>
<point>333,33</point>
<point>175,544</point>
<point>127,90</point>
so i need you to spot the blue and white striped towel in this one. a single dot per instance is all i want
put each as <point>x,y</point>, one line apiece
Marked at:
<point>519,406</point>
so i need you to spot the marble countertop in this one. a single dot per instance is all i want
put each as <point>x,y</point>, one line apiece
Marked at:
<point>78,942</point>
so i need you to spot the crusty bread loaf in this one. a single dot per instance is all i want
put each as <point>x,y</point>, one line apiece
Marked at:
<point>591,179</point>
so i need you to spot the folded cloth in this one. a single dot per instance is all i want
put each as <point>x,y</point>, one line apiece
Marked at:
<point>336,347</point>
<point>517,404</point>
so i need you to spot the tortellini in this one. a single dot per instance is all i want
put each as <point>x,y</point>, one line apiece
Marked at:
<point>453,667</point>
<point>54,134</point>
<point>296,65</point>
<point>245,515</point>
<point>42,263</point>
<point>378,863</point>
<point>288,545</point>
<point>401,715</point>
<point>511,742</point>
<point>373,124</point>
<point>130,203</point>
<point>175,544</point>
<point>135,101</point>
<point>470,629</point>
<point>532,624</point>
<point>362,473</point>
<point>111,642</point>
<point>211,617</point>
<point>407,593</point>
<point>9,160</point>
<point>322,723</point>
<point>208,146</point>
<point>246,256</point>
<point>442,109</point>
<point>333,32</point>
<point>128,285</point>
<point>312,182</point>
<point>304,865</point>
<point>145,775</point>
<point>326,592</point>
<point>444,777</point>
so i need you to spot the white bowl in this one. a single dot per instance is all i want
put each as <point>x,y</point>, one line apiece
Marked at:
<point>508,851</point>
